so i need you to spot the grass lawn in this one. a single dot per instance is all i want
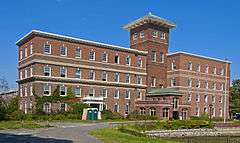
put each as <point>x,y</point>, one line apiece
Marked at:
<point>111,135</point>
<point>20,124</point>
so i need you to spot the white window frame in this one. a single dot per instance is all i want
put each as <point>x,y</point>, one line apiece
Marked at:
<point>91,75</point>
<point>198,68</point>
<point>106,92</point>
<point>141,34</point>
<point>20,91</point>
<point>104,57</point>
<point>128,60</point>
<point>206,68</point>
<point>139,62</point>
<point>154,56</point>
<point>118,59</point>
<point>190,65</point>
<point>78,74</point>
<point>49,89</point>
<point>92,90</point>
<point>49,110</point>
<point>174,65</point>
<point>31,90</point>
<point>162,35</point>
<point>50,48</point>
<point>31,49</point>
<point>78,55</point>
<point>65,50</point>
<point>214,70</point>
<point>173,81</point>
<point>26,72</point>
<point>31,71</point>
<point>118,77</point>
<point>129,94</point>
<point>139,79</point>
<point>104,73</point>
<point>65,72</point>
<point>91,55</point>
<point>128,78</point>
<point>79,90</point>
<point>162,57</point>
<point>26,52</point>
<point>25,91</point>
<point>21,55</point>
<point>189,83</point>
<point>206,98</point>
<point>135,36</point>
<point>116,92</point>
<point>65,90</point>
<point>153,81</point>
<point>116,105</point>
<point>44,70</point>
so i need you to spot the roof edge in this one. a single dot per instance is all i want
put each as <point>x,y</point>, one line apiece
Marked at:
<point>201,56</point>
<point>48,34</point>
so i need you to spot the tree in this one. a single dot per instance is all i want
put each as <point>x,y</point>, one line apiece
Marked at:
<point>4,86</point>
<point>235,97</point>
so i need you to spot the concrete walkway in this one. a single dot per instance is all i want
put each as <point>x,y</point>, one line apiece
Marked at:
<point>60,133</point>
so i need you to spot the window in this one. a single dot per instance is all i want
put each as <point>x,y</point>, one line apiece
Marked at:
<point>78,73</point>
<point>142,111</point>
<point>92,55</point>
<point>31,90</point>
<point>63,72</point>
<point>31,71</point>
<point>47,107</point>
<point>141,34</point>
<point>47,48</point>
<point>116,94</point>
<point>205,110</point>
<point>214,86</point>
<point>25,91</point>
<point>206,84</point>
<point>47,71</point>
<point>214,70</point>
<point>104,76</point>
<point>20,74</point>
<point>126,109</point>
<point>116,107</point>
<point>165,113</point>
<point>104,92</point>
<point>63,107</point>
<point>189,98</point>
<point>128,60</point>
<point>197,111</point>
<point>139,62</point>
<point>198,67</point>
<point>222,72</point>
<point>154,56</point>
<point>175,103</point>
<point>154,34</point>
<point>162,57</point>
<point>21,55</point>
<point>197,98</point>
<point>21,92</point>
<point>152,111</point>
<point>127,94</point>
<point>206,98</point>
<point>104,57</point>
<point>189,65</point>
<point>63,90</point>
<point>222,86</point>
<point>198,84</point>
<point>78,53</point>
<point>26,52</point>
<point>63,51</point>
<point>26,73</point>
<point>91,92</point>
<point>46,90</point>
<point>91,75</point>
<point>173,82</point>
<point>139,79</point>
<point>220,112</point>
<point>116,59</point>
<point>139,94</point>
<point>162,35</point>
<point>220,99</point>
<point>135,36</point>
<point>189,83</point>
<point>127,78</point>
<point>206,68</point>
<point>78,92</point>
<point>116,77</point>
<point>31,49</point>
<point>213,99</point>
<point>153,82</point>
<point>174,65</point>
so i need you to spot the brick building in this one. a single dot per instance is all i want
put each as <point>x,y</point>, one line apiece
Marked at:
<point>144,77</point>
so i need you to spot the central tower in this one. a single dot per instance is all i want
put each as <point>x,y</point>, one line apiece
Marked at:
<point>151,33</point>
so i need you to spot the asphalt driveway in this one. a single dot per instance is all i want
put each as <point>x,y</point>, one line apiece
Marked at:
<point>60,133</point>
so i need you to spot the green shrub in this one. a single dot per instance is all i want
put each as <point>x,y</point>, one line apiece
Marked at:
<point>109,115</point>
<point>136,116</point>
<point>77,108</point>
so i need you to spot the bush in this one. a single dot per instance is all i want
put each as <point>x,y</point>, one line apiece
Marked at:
<point>77,108</point>
<point>109,115</point>
<point>136,116</point>
<point>202,117</point>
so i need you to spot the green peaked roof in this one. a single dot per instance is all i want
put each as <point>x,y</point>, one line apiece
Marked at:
<point>164,91</point>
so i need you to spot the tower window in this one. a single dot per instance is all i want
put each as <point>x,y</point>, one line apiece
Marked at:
<point>154,34</point>
<point>135,36</point>
<point>142,34</point>
<point>116,59</point>
<point>161,57</point>
<point>162,35</point>
<point>154,56</point>
<point>139,62</point>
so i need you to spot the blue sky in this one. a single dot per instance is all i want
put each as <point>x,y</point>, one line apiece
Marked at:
<point>204,27</point>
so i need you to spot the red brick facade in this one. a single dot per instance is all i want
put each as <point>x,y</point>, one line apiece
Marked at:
<point>117,78</point>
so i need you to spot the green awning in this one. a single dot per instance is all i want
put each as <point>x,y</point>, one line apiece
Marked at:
<point>164,91</point>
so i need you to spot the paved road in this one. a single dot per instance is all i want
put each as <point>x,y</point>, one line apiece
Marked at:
<point>60,133</point>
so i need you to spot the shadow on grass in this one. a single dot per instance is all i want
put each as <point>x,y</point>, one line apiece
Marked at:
<point>12,138</point>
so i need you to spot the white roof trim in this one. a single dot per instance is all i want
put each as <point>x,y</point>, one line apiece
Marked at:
<point>200,56</point>
<point>76,39</point>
